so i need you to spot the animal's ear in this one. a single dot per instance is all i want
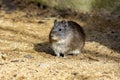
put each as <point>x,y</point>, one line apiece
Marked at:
<point>55,22</point>
<point>65,23</point>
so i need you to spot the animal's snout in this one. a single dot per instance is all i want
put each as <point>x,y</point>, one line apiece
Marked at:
<point>51,35</point>
<point>54,32</point>
<point>54,35</point>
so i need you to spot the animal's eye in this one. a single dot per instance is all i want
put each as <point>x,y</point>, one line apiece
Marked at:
<point>60,29</point>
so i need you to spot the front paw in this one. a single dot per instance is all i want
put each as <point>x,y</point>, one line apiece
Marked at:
<point>57,54</point>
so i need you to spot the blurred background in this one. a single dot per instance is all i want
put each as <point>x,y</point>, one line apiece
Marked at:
<point>106,6</point>
<point>79,6</point>
<point>84,6</point>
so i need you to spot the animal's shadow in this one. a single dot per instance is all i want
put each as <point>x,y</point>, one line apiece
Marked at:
<point>44,47</point>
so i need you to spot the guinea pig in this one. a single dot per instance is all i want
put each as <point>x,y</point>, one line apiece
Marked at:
<point>66,37</point>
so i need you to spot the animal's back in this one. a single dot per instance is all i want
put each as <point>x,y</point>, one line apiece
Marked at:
<point>76,28</point>
<point>78,35</point>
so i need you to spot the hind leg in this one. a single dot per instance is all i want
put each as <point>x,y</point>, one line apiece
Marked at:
<point>65,55</point>
<point>75,52</point>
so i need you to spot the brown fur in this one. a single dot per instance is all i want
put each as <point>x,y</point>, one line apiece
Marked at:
<point>73,41</point>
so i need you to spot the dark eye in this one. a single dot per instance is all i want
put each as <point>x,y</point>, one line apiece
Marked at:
<point>59,29</point>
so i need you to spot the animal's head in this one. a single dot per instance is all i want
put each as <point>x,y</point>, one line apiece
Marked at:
<point>60,30</point>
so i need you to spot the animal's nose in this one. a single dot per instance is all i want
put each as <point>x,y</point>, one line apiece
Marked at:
<point>51,35</point>
<point>53,32</point>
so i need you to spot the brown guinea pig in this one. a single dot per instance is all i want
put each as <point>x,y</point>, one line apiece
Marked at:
<point>66,37</point>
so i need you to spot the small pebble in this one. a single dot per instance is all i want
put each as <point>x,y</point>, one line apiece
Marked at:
<point>43,65</point>
<point>28,56</point>
<point>15,61</point>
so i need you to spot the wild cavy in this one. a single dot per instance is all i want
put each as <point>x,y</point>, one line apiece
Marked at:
<point>66,37</point>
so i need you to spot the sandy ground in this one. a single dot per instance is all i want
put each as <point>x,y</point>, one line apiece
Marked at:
<point>25,52</point>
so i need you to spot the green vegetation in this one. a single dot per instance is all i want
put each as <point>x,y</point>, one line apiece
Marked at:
<point>106,5</point>
<point>82,5</point>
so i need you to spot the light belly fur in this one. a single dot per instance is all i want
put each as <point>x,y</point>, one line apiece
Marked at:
<point>60,46</point>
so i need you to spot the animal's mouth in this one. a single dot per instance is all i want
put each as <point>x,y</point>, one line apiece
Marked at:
<point>54,38</point>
